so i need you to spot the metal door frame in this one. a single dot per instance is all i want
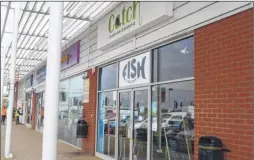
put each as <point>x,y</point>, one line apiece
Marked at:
<point>132,91</point>
<point>148,117</point>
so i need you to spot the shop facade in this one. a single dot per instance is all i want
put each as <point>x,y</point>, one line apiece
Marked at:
<point>39,92</point>
<point>29,100</point>
<point>155,101</point>
<point>150,81</point>
<point>70,109</point>
<point>142,103</point>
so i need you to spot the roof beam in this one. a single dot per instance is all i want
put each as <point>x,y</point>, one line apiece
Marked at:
<point>31,49</point>
<point>32,35</point>
<point>39,50</point>
<point>65,16</point>
<point>32,59</point>
<point>23,65</point>
<point>5,20</point>
<point>47,13</point>
<point>20,70</point>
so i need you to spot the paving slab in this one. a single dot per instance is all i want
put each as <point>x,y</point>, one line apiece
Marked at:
<point>27,145</point>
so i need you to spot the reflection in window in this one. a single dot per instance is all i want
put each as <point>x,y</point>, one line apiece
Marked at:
<point>106,123</point>
<point>173,121</point>
<point>108,77</point>
<point>174,61</point>
<point>76,96</point>
<point>70,109</point>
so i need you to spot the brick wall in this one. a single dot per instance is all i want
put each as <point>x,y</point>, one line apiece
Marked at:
<point>90,115</point>
<point>224,84</point>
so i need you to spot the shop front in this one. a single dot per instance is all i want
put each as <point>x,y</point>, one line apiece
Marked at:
<point>39,92</point>
<point>70,109</point>
<point>146,105</point>
<point>70,98</point>
<point>40,97</point>
<point>28,101</point>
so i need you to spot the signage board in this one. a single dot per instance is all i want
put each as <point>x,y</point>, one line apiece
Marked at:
<point>130,18</point>
<point>40,75</point>
<point>29,81</point>
<point>70,56</point>
<point>135,70</point>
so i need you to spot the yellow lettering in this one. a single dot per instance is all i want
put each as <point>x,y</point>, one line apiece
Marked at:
<point>128,16</point>
<point>110,24</point>
<point>64,58</point>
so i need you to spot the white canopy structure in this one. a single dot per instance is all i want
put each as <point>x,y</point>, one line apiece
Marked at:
<point>33,30</point>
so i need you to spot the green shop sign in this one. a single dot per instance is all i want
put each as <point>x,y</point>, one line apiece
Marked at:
<point>125,19</point>
<point>129,19</point>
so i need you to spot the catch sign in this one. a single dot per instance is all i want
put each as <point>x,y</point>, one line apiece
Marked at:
<point>135,70</point>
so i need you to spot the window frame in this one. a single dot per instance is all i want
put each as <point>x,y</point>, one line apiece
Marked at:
<point>149,85</point>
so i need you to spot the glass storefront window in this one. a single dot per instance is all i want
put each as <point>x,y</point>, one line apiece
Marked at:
<point>76,95</point>
<point>174,61</point>
<point>140,116</point>
<point>108,77</point>
<point>173,121</point>
<point>39,110</point>
<point>70,109</point>
<point>106,123</point>
<point>75,107</point>
<point>28,108</point>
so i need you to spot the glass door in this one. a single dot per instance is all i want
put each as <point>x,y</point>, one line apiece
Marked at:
<point>124,125</point>
<point>140,124</point>
<point>133,124</point>
<point>28,108</point>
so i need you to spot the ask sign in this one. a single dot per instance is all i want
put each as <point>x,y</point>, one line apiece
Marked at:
<point>135,70</point>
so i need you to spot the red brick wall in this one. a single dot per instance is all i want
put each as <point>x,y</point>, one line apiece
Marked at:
<point>33,109</point>
<point>224,84</point>
<point>90,115</point>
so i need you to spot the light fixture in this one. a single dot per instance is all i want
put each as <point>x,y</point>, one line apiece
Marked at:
<point>185,51</point>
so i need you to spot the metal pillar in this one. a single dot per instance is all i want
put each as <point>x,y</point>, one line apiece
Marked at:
<point>2,75</point>
<point>49,148</point>
<point>8,153</point>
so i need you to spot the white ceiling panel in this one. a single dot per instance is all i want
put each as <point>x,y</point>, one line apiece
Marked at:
<point>33,29</point>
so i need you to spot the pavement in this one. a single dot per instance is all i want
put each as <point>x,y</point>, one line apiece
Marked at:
<point>27,145</point>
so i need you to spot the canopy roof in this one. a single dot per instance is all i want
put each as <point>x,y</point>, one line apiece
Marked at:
<point>33,30</point>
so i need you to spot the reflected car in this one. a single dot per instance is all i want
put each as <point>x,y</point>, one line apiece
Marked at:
<point>141,124</point>
<point>165,119</point>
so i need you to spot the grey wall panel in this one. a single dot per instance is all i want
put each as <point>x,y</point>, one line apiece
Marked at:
<point>199,12</point>
<point>93,41</point>
<point>21,90</point>
<point>187,17</point>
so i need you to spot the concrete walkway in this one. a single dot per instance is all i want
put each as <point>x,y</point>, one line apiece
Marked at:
<point>27,145</point>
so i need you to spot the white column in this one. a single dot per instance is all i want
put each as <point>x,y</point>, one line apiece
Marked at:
<point>2,74</point>
<point>8,153</point>
<point>49,148</point>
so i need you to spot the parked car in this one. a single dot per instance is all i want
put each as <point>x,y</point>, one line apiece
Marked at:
<point>166,117</point>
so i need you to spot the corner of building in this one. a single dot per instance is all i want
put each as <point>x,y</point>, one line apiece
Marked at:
<point>89,112</point>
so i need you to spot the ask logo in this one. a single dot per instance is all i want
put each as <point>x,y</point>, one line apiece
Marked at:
<point>135,70</point>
